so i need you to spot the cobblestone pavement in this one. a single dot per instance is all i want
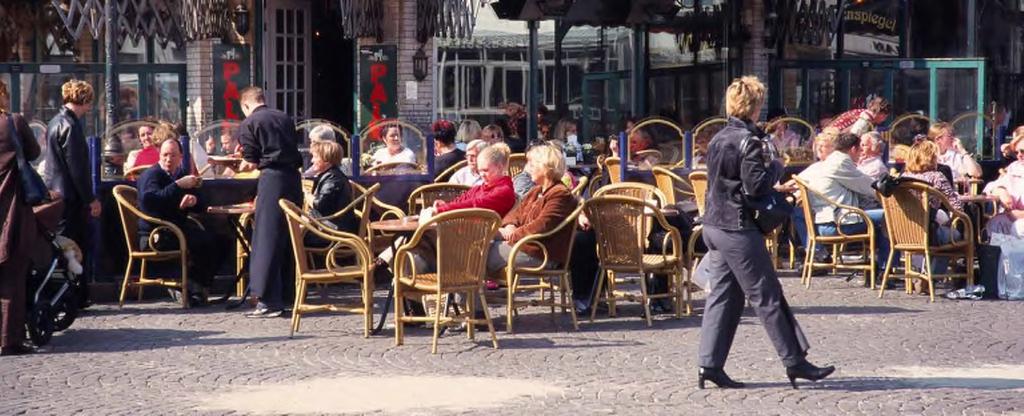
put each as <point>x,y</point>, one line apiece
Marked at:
<point>896,355</point>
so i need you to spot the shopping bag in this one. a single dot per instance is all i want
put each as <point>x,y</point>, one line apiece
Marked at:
<point>1011,266</point>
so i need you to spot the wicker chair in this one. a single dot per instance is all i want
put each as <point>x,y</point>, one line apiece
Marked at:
<point>378,241</point>
<point>613,166</point>
<point>699,182</point>
<point>516,164</point>
<point>361,203</point>
<point>620,224</point>
<point>463,238</point>
<point>637,190</point>
<point>866,239</point>
<point>520,279</point>
<point>447,174</point>
<point>425,195</point>
<point>393,168</point>
<point>136,171</point>
<point>907,221</point>
<point>577,191</point>
<point>127,205</point>
<point>671,184</point>
<point>360,273</point>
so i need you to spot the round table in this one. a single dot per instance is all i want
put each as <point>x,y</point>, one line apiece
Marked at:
<point>234,213</point>
<point>404,227</point>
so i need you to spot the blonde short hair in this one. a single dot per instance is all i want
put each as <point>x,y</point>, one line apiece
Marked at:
<point>744,96</point>
<point>550,159</point>
<point>329,152</point>
<point>469,130</point>
<point>164,131</point>
<point>923,157</point>
<point>495,154</point>
<point>478,145</point>
<point>76,92</point>
<point>939,127</point>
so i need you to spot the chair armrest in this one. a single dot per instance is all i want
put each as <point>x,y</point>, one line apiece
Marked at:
<point>338,240</point>
<point>182,243</point>
<point>854,211</point>
<point>671,232</point>
<point>196,221</point>
<point>352,205</point>
<point>534,239</point>
<point>960,217</point>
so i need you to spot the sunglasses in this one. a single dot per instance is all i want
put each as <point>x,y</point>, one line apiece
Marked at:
<point>1020,151</point>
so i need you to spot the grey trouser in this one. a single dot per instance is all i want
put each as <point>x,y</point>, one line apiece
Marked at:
<point>744,267</point>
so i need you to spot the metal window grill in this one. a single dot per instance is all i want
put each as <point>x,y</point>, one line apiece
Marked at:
<point>362,18</point>
<point>452,19</point>
<point>166,21</point>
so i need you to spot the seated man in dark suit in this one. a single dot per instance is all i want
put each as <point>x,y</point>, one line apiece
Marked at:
<point>166,193</point>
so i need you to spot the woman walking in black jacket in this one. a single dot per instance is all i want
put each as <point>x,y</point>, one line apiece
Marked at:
<point>742,268</point>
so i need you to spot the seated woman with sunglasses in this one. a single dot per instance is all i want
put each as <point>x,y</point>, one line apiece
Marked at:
<point>1009,191</point>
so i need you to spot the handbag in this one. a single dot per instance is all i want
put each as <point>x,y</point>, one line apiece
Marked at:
<point>768,211</point>
<point>32,185</point>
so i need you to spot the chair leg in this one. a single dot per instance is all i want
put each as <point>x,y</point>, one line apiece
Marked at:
<point>300,297</point>
<point>142,275</point>
<point>367,303</point>
<point>677,284</point>
<point>184,283</point>
<point>928,276</point>
<point>809,263</point>
<point>644,299</point>
<point>510,298</point>
<point>885,273</point>
<point>612,310</point>
<point>471,315</point>
<point>567,287</point>
<point>487,316</point>
<point>872,261</point>
<point>907,276</point>
<point>125,283</point>
<point>970,265</point>
<point>601,276</point>
<point>399,311</point>
<point>438,311</point>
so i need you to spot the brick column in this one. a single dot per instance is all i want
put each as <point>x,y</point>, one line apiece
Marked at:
<point>755,55</point>
<point>400,30</point>
<point>200,83</point>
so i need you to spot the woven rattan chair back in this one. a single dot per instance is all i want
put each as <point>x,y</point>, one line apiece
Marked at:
<point>804,201</point>
<point>516,164</point>
<point>447,174</point>
<point>127,205</point>
<point>671,184</point>
<point>620,226</point>
<point>464,237</point>
<point>641,191</point>
<point>297,221</point>
<point>613,166</point>
<point>425,195</point>
<point>906,215</point>
<point>699,182</point>
<point>392,168</point>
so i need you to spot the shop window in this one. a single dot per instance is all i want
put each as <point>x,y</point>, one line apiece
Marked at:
<point>165,97</point>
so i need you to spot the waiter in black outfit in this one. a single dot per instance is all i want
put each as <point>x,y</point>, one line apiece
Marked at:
<point>270,143</point>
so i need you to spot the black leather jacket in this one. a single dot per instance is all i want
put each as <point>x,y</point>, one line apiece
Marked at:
<point>331,193</point>
<point>733,171</point>
<point>67,159</point>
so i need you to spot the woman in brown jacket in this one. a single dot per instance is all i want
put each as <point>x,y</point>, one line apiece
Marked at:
<point>542,209</point>
<point>17,235</point>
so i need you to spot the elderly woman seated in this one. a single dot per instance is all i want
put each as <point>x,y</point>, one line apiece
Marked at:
<point>494,193</point>
<point>331,190</point>
<point>922,164</point>
<point>1009,191</point>
<point>542,209</point>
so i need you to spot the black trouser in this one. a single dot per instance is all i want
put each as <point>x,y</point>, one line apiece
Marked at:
<point>272,266</point>
<point>583,266</point>
<point>742,266</point>
<point>205,251</point>
<point>75,224</point>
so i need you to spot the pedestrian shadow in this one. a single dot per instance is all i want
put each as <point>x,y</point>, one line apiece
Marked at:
<point>851,310</point>
<point>141,339</point>
<point>875,384</point>
<point>577,342</point>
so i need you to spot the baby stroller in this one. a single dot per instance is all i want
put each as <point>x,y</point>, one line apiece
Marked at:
<point>53,285</point>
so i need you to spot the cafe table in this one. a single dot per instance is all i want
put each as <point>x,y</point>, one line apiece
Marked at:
<point>401,230</point>
<point>978,211</point>
<point>234,214</point>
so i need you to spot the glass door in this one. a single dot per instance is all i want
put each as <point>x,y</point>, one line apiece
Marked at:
<point>288,68</point>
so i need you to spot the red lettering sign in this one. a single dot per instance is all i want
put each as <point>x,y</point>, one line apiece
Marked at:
<point>378,95</point>
<point>231,96</point>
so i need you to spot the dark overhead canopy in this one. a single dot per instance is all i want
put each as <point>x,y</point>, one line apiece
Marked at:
<point>590,12</point>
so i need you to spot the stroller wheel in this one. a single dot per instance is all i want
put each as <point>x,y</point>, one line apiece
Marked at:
<point>40,324</point>
<point>66,310</point>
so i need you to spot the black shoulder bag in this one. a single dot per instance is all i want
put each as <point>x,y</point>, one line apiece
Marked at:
<point>31,184</point>
<point>771,210</point>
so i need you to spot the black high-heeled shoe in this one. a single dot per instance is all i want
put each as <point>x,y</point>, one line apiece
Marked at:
<point>717,376</point>
<point>807,371</point>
